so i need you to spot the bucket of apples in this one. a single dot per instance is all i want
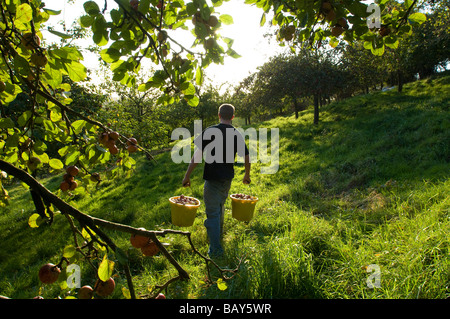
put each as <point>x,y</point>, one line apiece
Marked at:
<point>243,206</point>
<point>183,210</point>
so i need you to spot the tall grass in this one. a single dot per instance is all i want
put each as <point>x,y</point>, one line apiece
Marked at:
<point>367,186</point>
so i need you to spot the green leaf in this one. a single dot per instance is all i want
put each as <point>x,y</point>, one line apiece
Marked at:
<point>69,251</point>
<point>85,234</point>
<point>221,284</point>
<point>6,123</point>
<point>91,8</point>
<point>63,150</point>
<point>192,100</point>
<point>76,71</point>
<point>408,3</point>
<point>21,65</point>
<point>78,126</point>
<point>417,17</point>
<point>23,119</point>
<point>100,38</point>
<point>391,42</point>
<point>226,19</point>
<point>358,9</point>
<point>55,163</point>
<point>126,293</point>
<point>12,158</point>
<point>233,54</point>
<point>43,157</point>
<point>99,29</point>
<point>105,269</point>
<point>52,75</point>
<point>52,12</point>
<point>201,31</point>
<point>191,8</point>
<point>12,141</point>
<point>34,221</point>
<point>333,42</point>
<point>72,158</point>
<point>110,55</point>
<point>263,20</point>
<point>379,51</point>
<point>189,88</point>
<point>60,34</point>
<point>144,6</point>
<point>10,93</point>
<point>86,21</point>
<point>24,13</point>
<point>69,53</point>
<point>39,147</point>
<point>55,115</point>
<point>199,76</point>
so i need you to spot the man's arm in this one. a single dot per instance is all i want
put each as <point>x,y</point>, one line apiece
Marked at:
<point>196,158</point>
<point>247,166</point>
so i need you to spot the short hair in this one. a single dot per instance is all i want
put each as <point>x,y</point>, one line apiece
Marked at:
<point>226,111</point>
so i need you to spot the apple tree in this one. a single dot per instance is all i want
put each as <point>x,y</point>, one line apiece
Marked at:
<point>81,144</point>
<point>311,23</point>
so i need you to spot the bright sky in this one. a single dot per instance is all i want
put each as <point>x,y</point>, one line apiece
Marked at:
<point>249,42</point>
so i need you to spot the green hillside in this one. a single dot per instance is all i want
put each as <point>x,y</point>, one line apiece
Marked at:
<point>367,186</point>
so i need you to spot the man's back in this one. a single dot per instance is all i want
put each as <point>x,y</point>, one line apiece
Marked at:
<point>220,143</point>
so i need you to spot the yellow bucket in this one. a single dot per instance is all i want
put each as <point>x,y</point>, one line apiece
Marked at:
<point>183,215</point>
<point>243,209</point>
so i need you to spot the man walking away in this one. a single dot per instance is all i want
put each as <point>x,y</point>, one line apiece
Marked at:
<point>220,143</point>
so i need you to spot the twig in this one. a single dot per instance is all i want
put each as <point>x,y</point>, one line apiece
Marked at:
<point>405,17</point>
<point>75,231</point>
<point>164,286</point>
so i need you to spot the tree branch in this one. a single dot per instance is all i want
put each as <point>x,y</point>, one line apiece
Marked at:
<point>95,224</point>
<point>92,222</point>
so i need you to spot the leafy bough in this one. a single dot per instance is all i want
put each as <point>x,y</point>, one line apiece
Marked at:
<point>96,231</point>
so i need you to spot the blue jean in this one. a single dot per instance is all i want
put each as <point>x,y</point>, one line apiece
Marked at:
<point>215,193</point>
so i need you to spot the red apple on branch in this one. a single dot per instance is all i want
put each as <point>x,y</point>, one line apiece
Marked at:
<point>104,288</point>
<point>49,273</point>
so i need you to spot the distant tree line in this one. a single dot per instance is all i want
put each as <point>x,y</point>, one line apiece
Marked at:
<point>293,82</point>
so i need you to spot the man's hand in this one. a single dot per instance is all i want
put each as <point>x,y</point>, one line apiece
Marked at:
<point>196,158</point>
<point>246,179</point>
<point>186,181</point>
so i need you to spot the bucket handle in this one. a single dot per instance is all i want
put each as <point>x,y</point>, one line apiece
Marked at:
<point>191,192</point>
<point>248,188</point>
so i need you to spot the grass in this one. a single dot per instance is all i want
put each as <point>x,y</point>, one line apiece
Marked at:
<point>367,186</point>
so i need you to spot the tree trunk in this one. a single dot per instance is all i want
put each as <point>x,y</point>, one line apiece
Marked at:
<point>316,108</point>
<point>400,81</point>
<point>296,108</point>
